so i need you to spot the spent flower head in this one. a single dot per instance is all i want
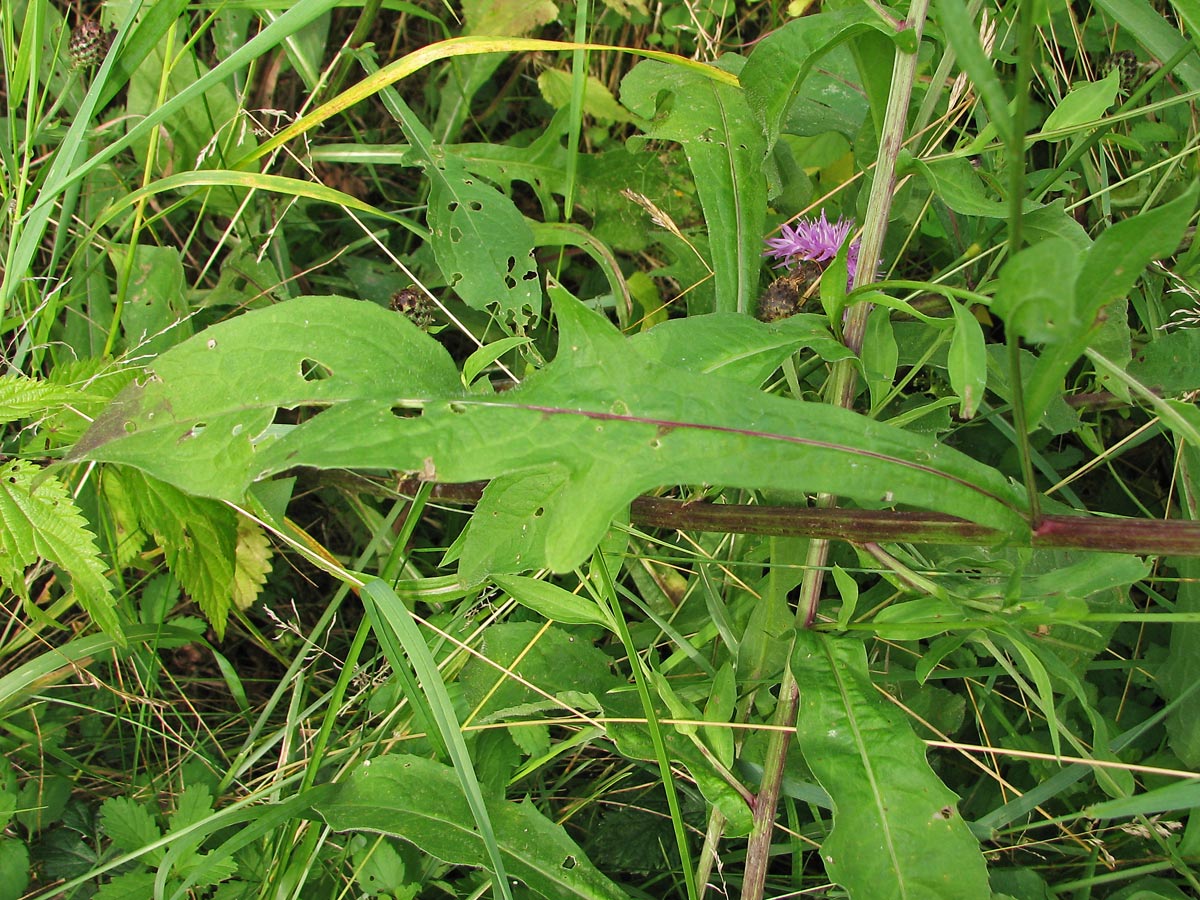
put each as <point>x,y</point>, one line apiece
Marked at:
<point>813,239</point>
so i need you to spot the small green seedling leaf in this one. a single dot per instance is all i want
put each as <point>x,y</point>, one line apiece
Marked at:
<point>848,590</point>
<point>967,361</point>
<point>553,602</point>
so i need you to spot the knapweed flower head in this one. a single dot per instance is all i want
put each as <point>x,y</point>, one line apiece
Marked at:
<point>813,239</point>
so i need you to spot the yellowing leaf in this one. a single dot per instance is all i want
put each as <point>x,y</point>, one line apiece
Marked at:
<point>252,562</point>
<point>598,101</point>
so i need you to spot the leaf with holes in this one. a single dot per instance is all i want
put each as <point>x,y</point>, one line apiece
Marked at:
<point>482,244</point>
<point>612,421</point>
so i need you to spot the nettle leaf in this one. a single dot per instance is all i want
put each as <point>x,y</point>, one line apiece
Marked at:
<point>39,520</point>
<point>609,420</point>
<point>889,807</point>
<point>725,150</point>
<point>252,563</point>
<point>22,397</point>
<point>198,537</point>
<point>420,801</point>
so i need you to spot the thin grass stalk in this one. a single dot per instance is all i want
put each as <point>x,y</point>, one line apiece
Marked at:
<point>842,388</point>
<point>1016,199</point>
<point>608,594</point>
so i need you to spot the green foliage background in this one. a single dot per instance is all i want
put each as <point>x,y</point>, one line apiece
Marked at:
<point>350,347</point>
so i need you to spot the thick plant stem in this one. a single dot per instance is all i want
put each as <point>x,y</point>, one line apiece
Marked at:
<point>843,384</point>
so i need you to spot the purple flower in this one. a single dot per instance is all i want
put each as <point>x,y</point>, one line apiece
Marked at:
<point>813,239</point>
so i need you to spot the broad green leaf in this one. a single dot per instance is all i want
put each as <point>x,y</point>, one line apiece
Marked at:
<point>779,63</point>
<point>1170,362</point>
<point>1085,103</point>
<point>725,149</point>
<point>615,422</point>
<point>14,868</point>
<point>481,242</point>
<point>233,380</point>
<point>509,528</point>
<point>958,185</point>
<point>420,801</point>
<point>39,520</point>
<point>553,602</point>
<point>1038,308</point>
<point>155,313</point>
<point>966,361</point>
<point>897,832</point>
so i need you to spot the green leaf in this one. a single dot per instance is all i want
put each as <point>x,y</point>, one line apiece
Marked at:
<point>131,826</point>
<point>1122,253</point>
<point>967,361</point>
<point>276,353</point>
<point>553,602</point>
<point>1038,308</point>
<point>39,520</point>
<point>198,537</point>
<point>1183,795</point>
<point>958,185</point>
<point>598,102</point>
<point>1084,104</point>
<point>421,802</point>
<point>615,422</point>
<point>897,832</point>
<point>128,886</point>
<point>780,62</point>
<point>481,242</point>
<point>155,314</point>
<point>14,868</point>
<point>737,346</point>
<point>23,398</point>
<point>725,149</point>
<point>1179,678</point>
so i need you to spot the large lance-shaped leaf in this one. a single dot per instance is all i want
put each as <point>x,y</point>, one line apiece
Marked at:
<point>725,150</point>
<point>420,801</point>
<point>617,422</point>
<point>897,834</point>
